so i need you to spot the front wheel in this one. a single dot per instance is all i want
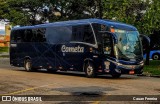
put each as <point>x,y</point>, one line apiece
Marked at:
<point>155,57</point>
<point>90,70</point>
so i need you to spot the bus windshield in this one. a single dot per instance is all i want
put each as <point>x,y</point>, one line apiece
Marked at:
<point>129,46</point>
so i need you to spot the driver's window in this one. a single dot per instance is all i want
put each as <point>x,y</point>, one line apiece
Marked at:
<point>107,44</point>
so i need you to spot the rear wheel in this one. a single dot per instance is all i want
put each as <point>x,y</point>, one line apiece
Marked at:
<point>90,70</point>
<point>28,65</point>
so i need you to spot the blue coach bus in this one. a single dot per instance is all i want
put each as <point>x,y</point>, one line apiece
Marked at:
<point>93,46</point>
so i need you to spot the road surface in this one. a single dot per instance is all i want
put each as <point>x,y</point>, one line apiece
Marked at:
<point>16,81</point>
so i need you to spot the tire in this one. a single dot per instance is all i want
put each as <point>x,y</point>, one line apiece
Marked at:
<point>90,70</point>
<point>116,75</point>
<point>155,57</point>
<point>28,65</point>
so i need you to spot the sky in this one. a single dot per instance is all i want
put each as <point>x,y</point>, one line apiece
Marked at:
<point>2,28</point>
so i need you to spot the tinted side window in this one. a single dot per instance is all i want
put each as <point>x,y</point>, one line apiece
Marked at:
<point>78,32</point>
<point>59,34</point>
<point>97,28</point>
<point>17,36</point>
<point>20,35</point>
<point>40,35</point>
<point>28,35</point>
<point>83,33</point>
<point>35,35</point>
<point>13,36</point>
<point>88,36</point>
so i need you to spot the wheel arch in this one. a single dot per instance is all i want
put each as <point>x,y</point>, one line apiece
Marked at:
<point>156,53</point>
<point>27,57</point>
<point>86,61</point>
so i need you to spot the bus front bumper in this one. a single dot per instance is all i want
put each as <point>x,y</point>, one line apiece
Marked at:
<point>125,69</point>
<point>129,69</point>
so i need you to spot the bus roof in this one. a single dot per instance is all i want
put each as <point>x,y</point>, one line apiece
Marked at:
<point>109,23</point>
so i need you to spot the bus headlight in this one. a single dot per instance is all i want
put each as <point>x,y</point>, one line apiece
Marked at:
<point>141,63</point>
<point>119,64</point>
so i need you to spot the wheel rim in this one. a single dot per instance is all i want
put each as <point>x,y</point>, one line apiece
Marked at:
<point>28,65</point>
<point>89,70</point>
<point>156,57</point>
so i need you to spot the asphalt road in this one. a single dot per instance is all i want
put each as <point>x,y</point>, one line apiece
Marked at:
<point>16,81</point>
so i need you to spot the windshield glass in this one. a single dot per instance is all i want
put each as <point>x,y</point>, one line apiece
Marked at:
<point>128,46</point>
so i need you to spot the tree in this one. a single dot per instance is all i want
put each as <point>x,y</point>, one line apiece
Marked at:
<point>24,12</point>
<point>127,11</point>
<point>151,20</point>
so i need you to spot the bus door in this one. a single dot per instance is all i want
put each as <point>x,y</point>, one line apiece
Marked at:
<point>107,46</point>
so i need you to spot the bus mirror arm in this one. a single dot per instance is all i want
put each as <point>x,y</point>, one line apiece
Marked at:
<point>114,38</point>
<point>145,39</point>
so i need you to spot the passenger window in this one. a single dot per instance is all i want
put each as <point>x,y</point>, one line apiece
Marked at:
<point>17,36</point>
<point>34,37</point>
<point>59,34</point>
<point>28,35</point>
<point>97,28</point>
<point>83,33</point>
<point>13,36</point>
<point>41,35</point>
<point>77,33</point>
<point>88,36</point>
<point>20,36</point>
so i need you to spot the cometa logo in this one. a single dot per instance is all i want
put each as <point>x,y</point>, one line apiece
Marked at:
<point>72,49</point>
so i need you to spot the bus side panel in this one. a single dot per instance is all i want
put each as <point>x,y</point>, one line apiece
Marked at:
<point>61,62</point>
<point>42,55</point>
<point>74,54</point>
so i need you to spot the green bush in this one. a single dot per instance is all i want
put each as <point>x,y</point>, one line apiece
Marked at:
<point>153,68</point>
<point>4,49</point>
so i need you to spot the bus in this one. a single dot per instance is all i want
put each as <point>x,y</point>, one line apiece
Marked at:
<point>92,46</point>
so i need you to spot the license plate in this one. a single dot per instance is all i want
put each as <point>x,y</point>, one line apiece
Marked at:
<point>131,72</point>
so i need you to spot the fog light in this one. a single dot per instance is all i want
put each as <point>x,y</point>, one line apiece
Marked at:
<point>50,67</point>
<point>131,72</point>
<point>99,70</point>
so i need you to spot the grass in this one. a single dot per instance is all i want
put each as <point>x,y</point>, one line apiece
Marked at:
<point>153,68</point>
<point>4,49</point>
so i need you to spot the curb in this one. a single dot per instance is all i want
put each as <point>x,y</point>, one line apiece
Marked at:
<point>144,75</point>
<point>4,55</point>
